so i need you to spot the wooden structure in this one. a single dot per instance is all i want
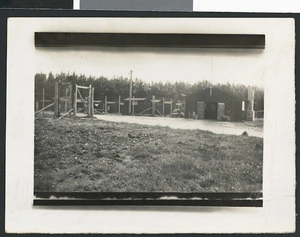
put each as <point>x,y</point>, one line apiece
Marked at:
<point>216,104</point>
<point>154,106</point>
<point>96,105</point>
<point>43,101</point>
<point>119,105</point>
<point>43,109</point>
<point>133,102</point>
<point>160,106</point>
<point>167,103</point>
<point>63,99</point>
<point>154,109</point>
<point>108,104</point>
<point>88,101</point>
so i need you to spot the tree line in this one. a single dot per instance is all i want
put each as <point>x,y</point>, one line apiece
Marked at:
<point>119,86</point>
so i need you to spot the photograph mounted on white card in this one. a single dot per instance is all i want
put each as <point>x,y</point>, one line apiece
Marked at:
<point>152,111</point>
<point>149,115</point>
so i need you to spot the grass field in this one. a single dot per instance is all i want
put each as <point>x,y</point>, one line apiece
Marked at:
<point>77,155</point>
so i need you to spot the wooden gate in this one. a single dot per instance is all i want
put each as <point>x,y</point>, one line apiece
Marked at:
<point>200,110</point>
<point>84,95</point>
<point>63,99</point>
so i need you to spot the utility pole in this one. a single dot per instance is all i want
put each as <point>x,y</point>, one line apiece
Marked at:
<point>130,91</point>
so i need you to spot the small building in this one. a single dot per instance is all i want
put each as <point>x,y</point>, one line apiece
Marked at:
<point>218,104</point>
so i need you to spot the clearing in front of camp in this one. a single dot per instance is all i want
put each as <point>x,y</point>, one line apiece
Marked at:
<point>79,155</point>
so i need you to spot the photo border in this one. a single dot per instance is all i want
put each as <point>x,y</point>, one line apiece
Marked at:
<point>63,40</point>
<point>109,14</point>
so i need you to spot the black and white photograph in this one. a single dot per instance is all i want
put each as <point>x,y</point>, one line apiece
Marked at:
<point>137,122</point>
<point>149,119</point>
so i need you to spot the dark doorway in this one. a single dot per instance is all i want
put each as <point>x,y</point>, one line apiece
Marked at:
<point>211,110</point>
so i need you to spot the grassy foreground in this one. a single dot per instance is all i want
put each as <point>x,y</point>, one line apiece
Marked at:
<point>73,155</point>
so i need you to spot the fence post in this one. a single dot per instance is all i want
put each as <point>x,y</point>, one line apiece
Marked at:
<point>75,101</point>
<point>89,101</point>
<point>130,93</point>
<point>105,104</point>
<point>66,101</point>
<point>133,103</point>
<point>163,101</point>
<point>92,103</point>
<point>43,99</point>
<point>70,94</point>
<point>56,100</point>
<point>119,105</point>
<point>171,105</point>
<point>153,104</point>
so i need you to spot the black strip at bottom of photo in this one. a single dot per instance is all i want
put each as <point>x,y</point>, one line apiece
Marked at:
<point>84,202</point>
<point>149,199</point>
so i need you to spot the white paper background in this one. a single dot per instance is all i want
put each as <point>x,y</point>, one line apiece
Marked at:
<point>246,5</point>
<point>278,213</point>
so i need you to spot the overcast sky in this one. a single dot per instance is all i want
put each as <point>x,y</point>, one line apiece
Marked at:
<point>243,66</point>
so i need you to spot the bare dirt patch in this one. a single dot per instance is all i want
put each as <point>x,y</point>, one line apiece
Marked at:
<point>220,127</point>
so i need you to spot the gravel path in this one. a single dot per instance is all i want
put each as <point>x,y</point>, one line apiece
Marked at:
<point>233,128</point>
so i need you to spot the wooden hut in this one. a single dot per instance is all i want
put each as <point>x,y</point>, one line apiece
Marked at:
<point>218,104</point>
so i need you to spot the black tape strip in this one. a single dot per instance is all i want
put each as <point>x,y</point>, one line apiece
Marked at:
<point>52,4</point>
<point>61,39</point>
<point>224,203</point>
<point>152,195</point>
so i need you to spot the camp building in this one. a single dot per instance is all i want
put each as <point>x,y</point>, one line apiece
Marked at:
<point>217,104</point>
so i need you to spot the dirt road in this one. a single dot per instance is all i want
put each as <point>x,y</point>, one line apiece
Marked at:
<point>234,128</point>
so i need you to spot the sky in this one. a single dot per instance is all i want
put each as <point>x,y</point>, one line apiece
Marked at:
<point>244,66</point>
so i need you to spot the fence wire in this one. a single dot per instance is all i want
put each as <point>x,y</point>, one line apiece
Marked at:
<point>114,104</point>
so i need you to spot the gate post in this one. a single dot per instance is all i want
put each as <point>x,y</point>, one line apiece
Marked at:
<point>75,101</point>
<point>92,102</point>
<point>163,102</point>
<point>43,99</point>
<point>105,104</point>
<point>56,100</point>
<point>153,104</point>
<point>89,100</point>
<point>66,101</point>
<point>119,105</point>
<point>250,111</point>
<point>70,96</point>
<point>133,104</point>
